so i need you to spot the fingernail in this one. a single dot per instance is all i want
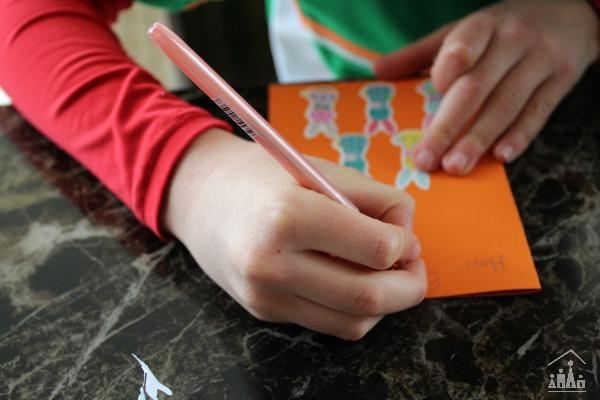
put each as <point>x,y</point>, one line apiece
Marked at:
<point>508,153</point>
<point>457,162</point>
<point>424,159</point>
<point>416,251</point>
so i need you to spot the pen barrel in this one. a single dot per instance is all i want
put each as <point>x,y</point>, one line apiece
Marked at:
<point>242,113</point>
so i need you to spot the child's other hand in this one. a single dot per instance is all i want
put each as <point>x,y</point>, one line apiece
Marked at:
<point>269,242</point>
<point>507,66</point>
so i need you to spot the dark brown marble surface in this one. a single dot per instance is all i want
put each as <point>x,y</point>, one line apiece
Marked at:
<point>83,286</point>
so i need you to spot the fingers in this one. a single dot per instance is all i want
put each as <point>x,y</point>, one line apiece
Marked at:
<point>500,110</point>
<point>411,59</point>
<point>279,307</point>
<point>331,322</point>
<point>462,102</point>
<point>531,120</point>
<point>302,219</point>
<point>351,288</point>
<point>377,242</point>
<point>333,229</point>
<point>375,199</point>
<point>462,48</point>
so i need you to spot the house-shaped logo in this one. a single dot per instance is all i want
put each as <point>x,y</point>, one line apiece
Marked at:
<point>566,380</point>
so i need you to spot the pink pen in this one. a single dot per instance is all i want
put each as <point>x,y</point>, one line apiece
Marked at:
<point>242,113</point>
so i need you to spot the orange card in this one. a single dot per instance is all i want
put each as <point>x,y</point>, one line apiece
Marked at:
<point>471,235</point>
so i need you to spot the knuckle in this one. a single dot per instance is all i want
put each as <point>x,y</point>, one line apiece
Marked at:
<point>549,47</point>
<point>409,202</point>
<point>459,53</point>
<point>476,25</point>
<point>482,21</point>
<point>368,301</point>
<point>407,207</point>
<point>478,141</point>
<point>256,269</point>
<point>554,55</point>
<point>383,249</point>
<point>472,87</point>
<point>252,267</point>
<point>516,30</point>
<point>540,108</point>
<point>254,302</point>
<point>356,330</point>
<point>567,68</point>
<point>442,135</point>
<point>507,101</point>
<point>420,291</point>
<point>280,219</point>
<point>527,136</point>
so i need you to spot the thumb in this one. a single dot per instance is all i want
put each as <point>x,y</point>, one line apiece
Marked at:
<point>383,202</point>
<point>375,199</point>
<point>412,58</point>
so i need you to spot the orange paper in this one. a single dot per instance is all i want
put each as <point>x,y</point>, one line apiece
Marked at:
<point>472,239</point>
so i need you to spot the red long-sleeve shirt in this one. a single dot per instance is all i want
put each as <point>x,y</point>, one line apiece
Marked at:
<point>68,75</point>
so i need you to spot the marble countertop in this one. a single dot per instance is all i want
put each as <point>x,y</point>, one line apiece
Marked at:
<point>83,286</point>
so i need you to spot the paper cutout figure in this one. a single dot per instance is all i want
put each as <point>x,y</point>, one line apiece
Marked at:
<point>433,98</point>
<point>457,219</point>
<point>407,139</point>
<point>353,150</point>
<point>151,385</point>
<point>380,114</point>
<point>320,112</point>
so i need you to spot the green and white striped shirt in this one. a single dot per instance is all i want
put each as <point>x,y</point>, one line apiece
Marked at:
<point>322,40</point>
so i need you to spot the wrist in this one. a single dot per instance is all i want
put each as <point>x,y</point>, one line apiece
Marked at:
<point>194,169</point>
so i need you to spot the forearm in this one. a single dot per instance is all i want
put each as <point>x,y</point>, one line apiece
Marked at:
<point>68,75</point>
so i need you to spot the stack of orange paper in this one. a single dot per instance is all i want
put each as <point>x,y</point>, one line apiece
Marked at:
<point>469,227</point>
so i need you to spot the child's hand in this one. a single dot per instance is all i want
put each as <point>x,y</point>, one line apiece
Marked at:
<point>506,66</point>
<point>269,242</point>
